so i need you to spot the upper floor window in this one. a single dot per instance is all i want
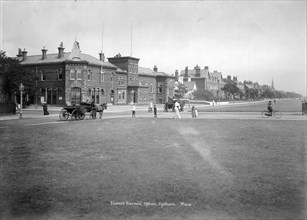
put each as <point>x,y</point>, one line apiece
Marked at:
<point>79,74</point>
<point>60,75</point>
<point>101,76</point>
<point>151,88</point>
<point>160,89</point>
<point>72,74</point>
<point>89,75</point>
<point>43,75</point>
<point>111,77</point>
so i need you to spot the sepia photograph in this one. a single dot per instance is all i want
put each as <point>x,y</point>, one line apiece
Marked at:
<point>154,110</point>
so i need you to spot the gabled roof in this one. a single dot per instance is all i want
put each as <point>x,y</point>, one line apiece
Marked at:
<point>189,85</point>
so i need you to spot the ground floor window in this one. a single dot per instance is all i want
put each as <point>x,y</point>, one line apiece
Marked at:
<point>75,95</point>
<point>122,96</point>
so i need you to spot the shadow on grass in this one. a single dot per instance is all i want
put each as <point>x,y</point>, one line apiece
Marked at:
<point>35,200</point>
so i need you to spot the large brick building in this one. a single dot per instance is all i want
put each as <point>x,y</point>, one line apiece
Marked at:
<point>73,77</point>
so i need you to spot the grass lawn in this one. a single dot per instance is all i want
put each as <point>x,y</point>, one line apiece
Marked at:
<point>284,105</point>
<point>203,169</point>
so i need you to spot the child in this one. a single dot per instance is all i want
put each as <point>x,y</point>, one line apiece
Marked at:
<point>155,111</point>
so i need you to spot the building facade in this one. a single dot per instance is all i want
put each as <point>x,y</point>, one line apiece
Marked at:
<point>66,78</point>
<point>203,78</point>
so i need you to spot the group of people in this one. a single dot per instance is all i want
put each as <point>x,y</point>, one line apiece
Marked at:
<point>153,108</point>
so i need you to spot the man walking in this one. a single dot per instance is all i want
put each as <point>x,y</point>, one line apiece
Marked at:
<point>155,111</point>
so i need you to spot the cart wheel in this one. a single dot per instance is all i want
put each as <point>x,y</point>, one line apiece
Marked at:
<point>277,114</point>
<point>74,114</point>
<point>82,115</point>
<point>64,115</point>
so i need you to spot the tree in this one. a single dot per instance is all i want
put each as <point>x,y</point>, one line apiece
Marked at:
<point>202,94</point>
<point>12,75</point>
<point>180,91</point>
<point>230,88</point>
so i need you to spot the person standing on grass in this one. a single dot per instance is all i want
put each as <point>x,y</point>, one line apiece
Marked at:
<point>133,111</point>
<point>194,112</point>
<point>155,111</point>
<point>177,107</point>
<point>100,109</point>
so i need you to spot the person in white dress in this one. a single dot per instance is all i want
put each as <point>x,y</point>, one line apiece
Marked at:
<point>177,107</point>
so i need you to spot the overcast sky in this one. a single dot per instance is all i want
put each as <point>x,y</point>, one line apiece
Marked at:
<point>253,40</point>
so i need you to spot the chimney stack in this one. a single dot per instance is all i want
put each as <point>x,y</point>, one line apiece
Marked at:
<point>61,50</point>
<point>197,70</point>
<point>186,71</point>
<point>19,53</point>
<point>101,56</point>
<point>176,74</point>
<point>155,68</point>
<point>24,54</point>
<point>44,53</point>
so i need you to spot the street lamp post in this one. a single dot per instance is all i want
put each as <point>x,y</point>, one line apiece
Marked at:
<point>218,90</point>
<point>21,88</point>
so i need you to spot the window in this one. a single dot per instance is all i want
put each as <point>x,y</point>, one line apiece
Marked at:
<point>160,88</point>
<point>89,75</point>
<point>43,75</point>
<point>111,77</point>
<point>79,74</point>
<point>60,75</point>
<point>72,74</point>
<point>59,91</point>
<point>151,88</point>
<point>101,76</point>
<point>123,95</point>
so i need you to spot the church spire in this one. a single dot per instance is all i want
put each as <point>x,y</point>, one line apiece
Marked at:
<point>272,85</point>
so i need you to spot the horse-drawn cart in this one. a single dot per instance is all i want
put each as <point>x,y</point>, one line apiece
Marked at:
<point>78,111</point>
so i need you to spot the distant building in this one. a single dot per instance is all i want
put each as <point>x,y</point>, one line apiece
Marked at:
<point>203,78</point>
<point>73,77</point>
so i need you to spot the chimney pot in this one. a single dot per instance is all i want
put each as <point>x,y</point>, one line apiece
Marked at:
<point>19,53</point>
<point>61,50</point>
<point>101,56</point>
<point>44,53</point>
<point>24,54</point>
<point>155,68</point>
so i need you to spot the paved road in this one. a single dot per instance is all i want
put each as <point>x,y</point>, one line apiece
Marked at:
<point>35,118</point>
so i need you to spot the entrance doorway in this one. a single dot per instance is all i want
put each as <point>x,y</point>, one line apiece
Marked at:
<point>75,95</point>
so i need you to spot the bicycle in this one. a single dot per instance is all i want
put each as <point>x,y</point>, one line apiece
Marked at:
<point>274,113</point>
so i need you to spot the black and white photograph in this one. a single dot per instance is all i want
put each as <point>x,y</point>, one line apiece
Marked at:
<point>154,110</point>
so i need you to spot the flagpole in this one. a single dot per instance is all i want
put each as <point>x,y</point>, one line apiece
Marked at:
<point>131,41</point>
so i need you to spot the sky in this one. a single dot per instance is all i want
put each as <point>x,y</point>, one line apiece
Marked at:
<point>259,41</point>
